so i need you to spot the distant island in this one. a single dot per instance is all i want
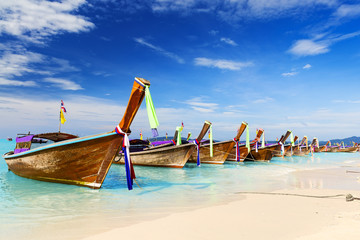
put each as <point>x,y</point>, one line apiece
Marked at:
<point>347,141</point>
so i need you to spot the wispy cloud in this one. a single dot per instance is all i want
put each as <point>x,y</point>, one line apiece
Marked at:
<point>61,65</point>
<point>159,50</point>
<point>263,100</point>
<point>307,66</point>
<point>213,32</point>
<point>307,47</point>
<point>228,41</point>
<point>348,11</point>
<point>199,105</point>
<point>319,45</point>
<point>63,84</point>
<point>221,63</point>
<point>346,101</point>
<point>6,82</point>
<point>34,20</point>
<point>16,64</point>
<point>289,74</point>
<point>234,10</point>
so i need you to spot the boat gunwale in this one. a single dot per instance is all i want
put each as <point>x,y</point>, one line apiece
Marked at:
<point>59,144</point>
<point>148,151</point>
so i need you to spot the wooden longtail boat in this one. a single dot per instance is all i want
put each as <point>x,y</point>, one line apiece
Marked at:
<point>243,149</point>
<point>348,149</point>
<point>82,161</point>
<point>164,143</point>
<point>320,148</point>
<point>277,151</point>
<point>221,150</point>
<point>301,150</point>
<point>268,152</point>
<point>262,154</point>
<point>289,149</point>
<point>332,149</point>
<point>169,156</point>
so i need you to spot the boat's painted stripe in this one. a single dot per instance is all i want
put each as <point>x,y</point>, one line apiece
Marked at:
<point>63,143</point>
<point>139,82</point>
<point>75,182</point>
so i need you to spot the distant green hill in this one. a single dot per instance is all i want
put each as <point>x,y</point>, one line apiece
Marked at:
<point>347,141</point>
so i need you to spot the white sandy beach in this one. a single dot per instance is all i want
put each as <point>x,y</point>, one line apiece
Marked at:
<point>266,216</point>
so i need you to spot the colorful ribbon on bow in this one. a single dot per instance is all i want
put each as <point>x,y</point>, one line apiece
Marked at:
<point>282,148</point>
<point>130,173</point>
<point>237,149</point>
<point>247,143</point>
<point>154,123</point>
<point>211,141</point>
<point>197,143</point>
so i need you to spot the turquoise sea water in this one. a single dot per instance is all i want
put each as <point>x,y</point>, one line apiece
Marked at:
<point>32,209</point>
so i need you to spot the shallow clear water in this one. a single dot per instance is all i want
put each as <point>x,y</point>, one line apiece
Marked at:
<point>39,210</point>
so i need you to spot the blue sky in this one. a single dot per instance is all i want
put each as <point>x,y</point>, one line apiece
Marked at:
<point>277,65</point>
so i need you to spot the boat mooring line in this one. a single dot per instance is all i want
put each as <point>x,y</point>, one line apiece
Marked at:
<point>348,197</point>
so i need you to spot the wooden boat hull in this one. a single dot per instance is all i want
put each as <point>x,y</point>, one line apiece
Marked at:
<point>221,151</point>
<point>173,156</point>
<point>81,161</point>
<point>320,149</point>
<point>263,154</point>
<point>287,152</point>
<point>332,149</point>
<point>275,150</point>
<point>349,149</point>
<point>243,153</point>
<point>303,152</point>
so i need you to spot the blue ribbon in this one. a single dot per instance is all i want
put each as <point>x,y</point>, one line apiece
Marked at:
<point>198,151</point>
<point>130,174</point>
<point>129,180</point>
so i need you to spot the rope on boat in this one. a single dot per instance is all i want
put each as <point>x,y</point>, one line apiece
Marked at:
<point>348,197</point>
<point>137,184</point>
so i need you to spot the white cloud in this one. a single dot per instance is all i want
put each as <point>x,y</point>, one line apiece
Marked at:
<point>228,41</point>
<point>16,64</point>
<point>289,74</point>
<point>213,32</point>
<point>346,101</point>
<point>199,105</point>
<point>172,5</point>
<point>159,50</point>
<point>319,45</point>
<point>307,47</point>
<point>34,20</point>
<point>63,84</point>
<point>221,63</point>
<point>6,82</point>
<point>62,65</point>
<point>264,100</point>
<point>347,10</point>
<point>41,113</point>
<point>307,66</point>
<point>237,9</point>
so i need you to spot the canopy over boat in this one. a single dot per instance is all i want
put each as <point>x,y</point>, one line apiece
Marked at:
<point>56,136</point>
